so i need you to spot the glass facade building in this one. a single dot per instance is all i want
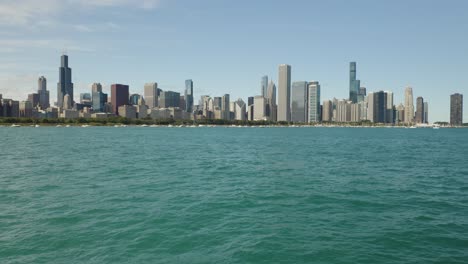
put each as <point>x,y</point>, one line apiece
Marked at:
<point>299,102</point>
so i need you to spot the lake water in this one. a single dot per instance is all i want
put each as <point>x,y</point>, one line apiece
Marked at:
<point>233,195</point>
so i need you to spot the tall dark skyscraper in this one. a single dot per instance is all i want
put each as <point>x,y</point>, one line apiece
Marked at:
<point>456,109</point>
<point>264,86</point>
<point>65,85</point>
<point>43,93</point>
<point>119,96</point>
<point>377,107</point>
<point>354,84</point>
<point>419,115</point>
<point>250,100</point>
<point>188,96</point>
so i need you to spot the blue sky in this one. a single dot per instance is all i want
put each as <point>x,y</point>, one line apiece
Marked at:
<point>225,46</point>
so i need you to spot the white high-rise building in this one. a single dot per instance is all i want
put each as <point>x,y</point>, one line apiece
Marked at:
<point>284,93</point>
<point>389,107</point>
<point>370,107</point>
<point>151,95</point>
<point>409,105</point>
<point>240,110</point>
<point>314,102</point>
<point>327,114</point>
<point>260,103</point>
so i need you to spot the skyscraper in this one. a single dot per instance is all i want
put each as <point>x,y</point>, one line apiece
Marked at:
<point>456,109</point>
<point>377,107</point>
<point>188,96</point>
<point>169,99</point>
<point>99,98</point>
<point>259,108</point>
<point>264,86</point>
<point>65,85</point>
<point>314,102</point>
<point>409,105</point>
<point>299,102</point>
<point>389,108</point>
<point>96,87</point>
<point>354,84</point>
<point>426,112</point>
<point>284,93</point>
<point>151,94</point>
<point>271,101</point>
<point>119,96</point>
<point>419,115</point>
<point>225,107</point>
<point>44,100</point>
<point>240,110</point>
<point>327,113</point>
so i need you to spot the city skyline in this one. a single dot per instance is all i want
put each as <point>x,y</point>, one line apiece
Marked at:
<point>391,54</point>
<point>298,101</point>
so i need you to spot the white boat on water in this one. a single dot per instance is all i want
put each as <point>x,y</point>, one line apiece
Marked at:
<point>85,126</point>
<point>14,125</point>
<point>37,126</point>
<point>67,126</point>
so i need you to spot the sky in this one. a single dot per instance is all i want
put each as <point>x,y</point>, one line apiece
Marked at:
<point>226,46</point>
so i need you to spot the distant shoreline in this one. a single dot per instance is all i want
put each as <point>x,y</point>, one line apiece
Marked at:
<point>218,126</point>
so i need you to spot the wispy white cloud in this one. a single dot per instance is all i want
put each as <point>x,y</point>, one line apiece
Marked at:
<point>108,26</point>
<point>19,45</point>
<point>45,12</point>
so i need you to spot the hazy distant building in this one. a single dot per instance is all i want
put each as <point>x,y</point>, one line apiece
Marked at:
<point>314,102</point>
<point>169,99</point>
<point>128,111</point>
<point>377,107</point>
<point>34,99</point>
<point>272,107</point>
<point>217,102</point>
<point>284,93</point>
<point>400,114</point>
<point>389,115</point>
<point>426,112</point>
<point>343,111</point>
<point>299,102</point>
<point>264,86</point>
<point>240,110</point>
<point>354,84</point>
<point>67,102</point>
<point>327,111</point>
<point>456,109</point>
<point>419,115</point>
<point>65,85</point>
<point>250,113</point>
<point>134,99</point>
<point>361,94</point>
<point>151,94</point>
<point>260,108</point>
<point>25,109</point>
<point>44,99</point>
<point>225,107</point>
<point>188,96</point>
<point>141,108</point>
<point>98,97</point>
<point>85,98</point>
<point>119,96</point>
<point>409,105</point>
<point>250,100</point>
<point>96,87</point>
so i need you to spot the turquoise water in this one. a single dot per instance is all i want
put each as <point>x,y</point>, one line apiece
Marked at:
<point>233,195</point>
